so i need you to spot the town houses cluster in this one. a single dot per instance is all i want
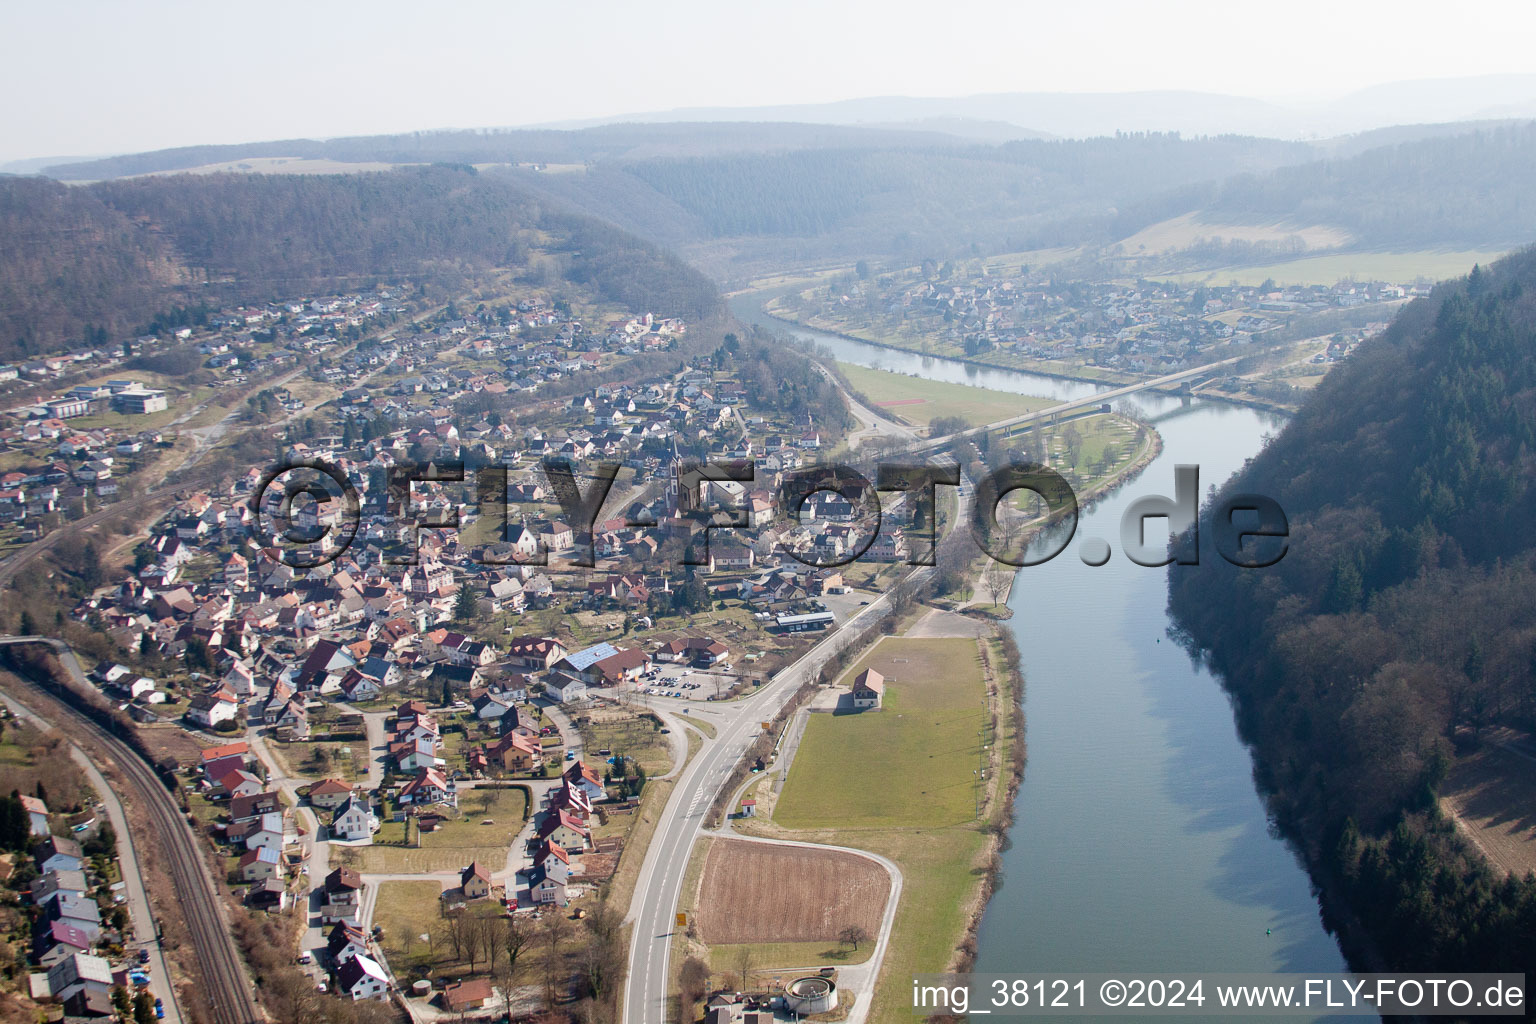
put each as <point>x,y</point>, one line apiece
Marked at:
<point>81,929</point>
<point>1145,327</point>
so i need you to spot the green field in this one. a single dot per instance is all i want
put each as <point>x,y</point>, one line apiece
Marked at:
<point>406,911</point>
<point>908,765</point>
<point>837,781</point>
<point>1396,267</point>
<point>490,819</point>
<point>921,400</point>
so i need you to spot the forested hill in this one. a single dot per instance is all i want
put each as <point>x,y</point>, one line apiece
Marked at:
<point>1399,628</point>
<point>83,261</point>
<point>1468,189</point>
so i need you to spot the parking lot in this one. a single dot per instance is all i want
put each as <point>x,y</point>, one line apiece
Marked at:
<point>686,682</point>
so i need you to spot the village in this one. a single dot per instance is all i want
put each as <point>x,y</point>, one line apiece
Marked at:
<point>1027,319</point>
<point>466,733</point>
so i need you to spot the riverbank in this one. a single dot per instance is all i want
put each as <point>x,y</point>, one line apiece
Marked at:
<point>760,298</point>
<point>925,782</point>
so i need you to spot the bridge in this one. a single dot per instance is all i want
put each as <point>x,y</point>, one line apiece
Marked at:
<point>940,443</point>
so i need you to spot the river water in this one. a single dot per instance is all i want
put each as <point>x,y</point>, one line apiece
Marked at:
<point>1139,843</point>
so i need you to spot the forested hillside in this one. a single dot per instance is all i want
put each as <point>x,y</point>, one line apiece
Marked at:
<point>738,199</point>
<point>743,212</point>
<point>78,263</point>
<point>1399,627</point>
<point>1469,189</point>
<point>530,145</point>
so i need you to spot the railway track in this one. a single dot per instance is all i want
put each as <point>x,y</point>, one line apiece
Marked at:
<point>224,979</point>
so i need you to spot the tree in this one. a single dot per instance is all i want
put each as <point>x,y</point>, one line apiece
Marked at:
<point>28,625</point>
<point>553,929</point>
<point>745,961</point>
<point>15,824</point>
<point>143,1007</point>
<point>853,935</point>
<point>693,979</point>
<point>464,605</point>
<point>515,940</point>
<point>995,580</point>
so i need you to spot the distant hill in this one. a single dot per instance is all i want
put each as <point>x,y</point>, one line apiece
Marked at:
<point>1085,115</point>
<point>105,258</point>
<point>1398,632</point>
<point>524,146</point>
<point>1470,188</point>
<point>742,199</point>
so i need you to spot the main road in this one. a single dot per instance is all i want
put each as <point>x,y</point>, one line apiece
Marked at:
<point>653,909</point>
<point>661,874</point>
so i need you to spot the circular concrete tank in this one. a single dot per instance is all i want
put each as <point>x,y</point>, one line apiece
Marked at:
<point>806,996</point>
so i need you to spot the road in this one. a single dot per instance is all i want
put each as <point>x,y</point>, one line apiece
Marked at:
<point>871,423</point>
<point>737,723</point>
<point>223,975</point>
<point>858,979</point>
<point>661,874</point>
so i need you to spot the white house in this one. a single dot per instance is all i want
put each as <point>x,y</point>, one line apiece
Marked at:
<point>353,821</point>
<point>362,978</point>
<point>565,688</point>
<point>209,709</point>
<point>868,689</point>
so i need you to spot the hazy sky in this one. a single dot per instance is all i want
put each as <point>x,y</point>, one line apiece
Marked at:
<point>102,76</point>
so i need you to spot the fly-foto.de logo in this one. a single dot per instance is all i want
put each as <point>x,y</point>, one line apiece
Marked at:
<point>823,516</point>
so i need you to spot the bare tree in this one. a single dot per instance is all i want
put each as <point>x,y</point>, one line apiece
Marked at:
<point>553,929</point>
<point>488,936</point>
<point>515,940</point>
<point>995,579</point>
<point>693,979</point>
<point>745,961</point>
<point>853,935</point>
<point>457,929</point>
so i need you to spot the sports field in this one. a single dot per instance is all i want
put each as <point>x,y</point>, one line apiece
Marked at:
<point>920,401</point>
<point>909,764</point>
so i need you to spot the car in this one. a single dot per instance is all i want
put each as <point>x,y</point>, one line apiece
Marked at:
<point>570,755</point>
<point>321,987</point>
<point>144,955</point>
<point>665,731</point>
<point>159,1010</point>
<point>305,958</point>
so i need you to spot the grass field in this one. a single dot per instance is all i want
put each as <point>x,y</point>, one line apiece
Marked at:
<point>1184,231</point>
<point>941,864</point>
<point>1398,267</point>
<point>455,843</point>
<point>624,732</point>
<point>769,959</point>
<point>908,765</point>
<point>406,911</point>
<point>919,401</point>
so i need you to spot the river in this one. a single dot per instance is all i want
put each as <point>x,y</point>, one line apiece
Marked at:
<point>1140,842</point>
